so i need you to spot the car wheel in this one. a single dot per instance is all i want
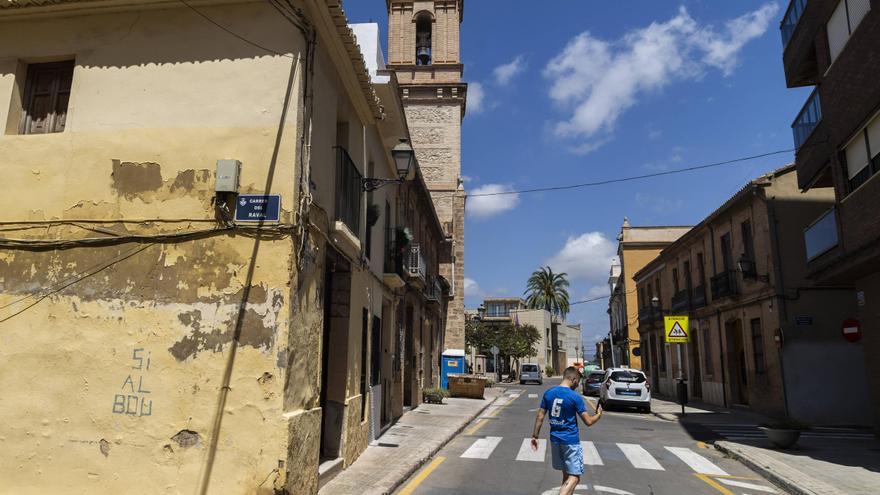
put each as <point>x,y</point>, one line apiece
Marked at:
<point>522,382</point>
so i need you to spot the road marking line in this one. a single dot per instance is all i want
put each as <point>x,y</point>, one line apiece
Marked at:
<point>482,448</point>
<point>412,485</point>
<point>696,462</point>
<point>473,429</point>
<point>750,486</point>
<point>533,396</point>
<point>591,455</point>
<point>639,457</point>
<point>709,481</point>
<point>608,489</point>
<point>702,445</point>
<point>527,454</point>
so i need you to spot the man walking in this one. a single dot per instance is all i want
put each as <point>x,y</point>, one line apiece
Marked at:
<point>565,405</point>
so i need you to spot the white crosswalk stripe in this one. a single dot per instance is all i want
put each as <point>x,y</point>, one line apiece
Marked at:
<point>482,448</point>
<point>749,486</point>
<point>740,431</point>
<point>533,396</point>
<point>639,457</point>
<point>591,455</point>
<point>696,462</point>
<point>527,454</point>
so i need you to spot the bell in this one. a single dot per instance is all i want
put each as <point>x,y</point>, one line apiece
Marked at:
<point>423,54</point>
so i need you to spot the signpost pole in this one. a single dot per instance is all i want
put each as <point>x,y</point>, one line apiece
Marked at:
<point>682,397</point>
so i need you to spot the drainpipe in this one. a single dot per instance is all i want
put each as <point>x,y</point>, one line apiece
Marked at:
<point>779,286</point>
<point>721,333</point>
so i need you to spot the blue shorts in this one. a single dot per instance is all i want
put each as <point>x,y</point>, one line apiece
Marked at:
<point>568,457</point>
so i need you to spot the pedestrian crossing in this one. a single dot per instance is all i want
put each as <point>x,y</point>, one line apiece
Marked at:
<point>741,431</point>
<point>634,455</point>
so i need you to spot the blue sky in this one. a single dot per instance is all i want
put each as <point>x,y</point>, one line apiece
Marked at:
<point>585,91</point>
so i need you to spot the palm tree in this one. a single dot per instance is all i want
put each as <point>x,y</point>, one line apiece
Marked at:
<point>549,291</point>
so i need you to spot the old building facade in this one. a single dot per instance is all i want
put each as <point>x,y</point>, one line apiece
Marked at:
<point>184,344</point>
<point>636,246</point>
<point>424,50</point>
<point>758,325</point>
<point>832,45</point>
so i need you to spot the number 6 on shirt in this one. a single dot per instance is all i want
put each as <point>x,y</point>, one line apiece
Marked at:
<point>557,408</point>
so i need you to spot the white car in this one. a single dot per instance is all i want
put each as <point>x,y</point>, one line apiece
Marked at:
<point>625,387</point>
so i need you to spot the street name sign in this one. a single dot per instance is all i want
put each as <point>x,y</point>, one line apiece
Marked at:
<point>677,329</point>
<point>258,208</point>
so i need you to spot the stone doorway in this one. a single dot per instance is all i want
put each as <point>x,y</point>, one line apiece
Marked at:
<point>736,363</point>
<point>334,353</point>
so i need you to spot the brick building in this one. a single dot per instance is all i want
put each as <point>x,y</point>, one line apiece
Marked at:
<point>833,45</point>
<point>759,328</point>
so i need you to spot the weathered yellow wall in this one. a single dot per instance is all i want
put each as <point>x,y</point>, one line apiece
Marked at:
<point>633,260</point>
<point>117,365</point>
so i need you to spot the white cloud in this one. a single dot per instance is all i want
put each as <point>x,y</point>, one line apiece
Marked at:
<point>506,72</point>
<point>600,80</point>
<point>586,258</point>
<point>471,288</point>
<point>494,201</point>
<point>475,97</point>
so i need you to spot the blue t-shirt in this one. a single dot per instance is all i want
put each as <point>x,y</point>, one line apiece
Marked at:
<point>563,405</point>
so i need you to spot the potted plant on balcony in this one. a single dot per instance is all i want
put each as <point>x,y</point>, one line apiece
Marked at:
<point>434,395</point>
<point>785,433</point>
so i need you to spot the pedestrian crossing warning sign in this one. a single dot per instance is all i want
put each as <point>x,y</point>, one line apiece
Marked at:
<point>677,331</point>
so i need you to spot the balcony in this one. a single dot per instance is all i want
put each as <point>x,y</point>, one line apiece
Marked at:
<point>807,120</point>
<point>415,264</point>
<point>681,301</point>
<point>349,191</point>
<point>724,284</point>
<point>434,289</point>
<point>393,269</point>
<point>699,297</point>
<point>648,315</point>
<point>791,19</point>
<point>821,235</point>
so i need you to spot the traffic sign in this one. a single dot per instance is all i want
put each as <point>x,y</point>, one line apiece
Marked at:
<point>494,349</point>
<point>677,329</point>
<point>852,330</point>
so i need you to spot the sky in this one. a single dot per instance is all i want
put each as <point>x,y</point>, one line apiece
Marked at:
<point>581,91</point>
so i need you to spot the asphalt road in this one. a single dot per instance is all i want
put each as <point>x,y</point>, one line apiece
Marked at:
<point>634,454</point>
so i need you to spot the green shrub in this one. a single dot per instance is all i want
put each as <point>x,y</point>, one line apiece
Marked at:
<point>549,371</point>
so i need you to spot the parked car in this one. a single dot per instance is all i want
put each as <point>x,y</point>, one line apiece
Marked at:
<point>530,373</point>
<point>625,387</point>
<point>593,382</point>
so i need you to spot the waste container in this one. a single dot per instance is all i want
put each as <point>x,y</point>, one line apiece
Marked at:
<point>467,386</point>
<point>452,362</point>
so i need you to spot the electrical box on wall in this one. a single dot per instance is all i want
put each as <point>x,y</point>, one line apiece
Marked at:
<point>226,176</point>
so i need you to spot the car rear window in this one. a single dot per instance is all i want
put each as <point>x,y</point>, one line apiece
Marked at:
<point>627,377</point>
<point>530,368</point>
<point>595,377</point>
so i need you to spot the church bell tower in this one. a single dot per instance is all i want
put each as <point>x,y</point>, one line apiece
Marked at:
<point>424,51</point>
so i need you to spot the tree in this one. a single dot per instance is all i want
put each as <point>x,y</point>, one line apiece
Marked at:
<point>549,291</point>
<point>519,342</point>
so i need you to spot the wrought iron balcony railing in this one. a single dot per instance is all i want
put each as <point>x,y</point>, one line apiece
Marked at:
<point>807,120</point>
<point>698,300</point>
<point>349,191</point>
<point>415,264</point>
<point>648,315</point>
<point>791,19</point>
<point>681,301</point>
<point>821,235</point>
<point>724,284</point>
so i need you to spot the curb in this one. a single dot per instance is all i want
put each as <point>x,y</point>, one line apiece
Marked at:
<point>422,460</point>
<point>781,481</point>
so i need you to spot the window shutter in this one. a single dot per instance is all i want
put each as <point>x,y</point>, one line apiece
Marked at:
<point>838,30</point>
<point>856,156</point>
<point>857,11</point>
<point>874,136</point>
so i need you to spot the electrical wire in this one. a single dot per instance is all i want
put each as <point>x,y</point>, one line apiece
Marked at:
<point>233,33</point>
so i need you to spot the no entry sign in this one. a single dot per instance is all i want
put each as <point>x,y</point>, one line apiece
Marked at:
<point>852,330</point>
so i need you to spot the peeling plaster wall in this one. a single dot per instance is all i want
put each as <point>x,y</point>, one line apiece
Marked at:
<point>124,369</point>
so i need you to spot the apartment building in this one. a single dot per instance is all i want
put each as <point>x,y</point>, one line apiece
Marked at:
<point>760,329</point>
<point>831,45</point>
<point>171,326</point>
<point>636,246</point>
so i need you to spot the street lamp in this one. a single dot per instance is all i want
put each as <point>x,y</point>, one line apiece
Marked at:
<point>481,311</point>
<point>404,157</point>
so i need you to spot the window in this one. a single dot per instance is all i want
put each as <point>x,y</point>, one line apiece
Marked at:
<point>701,269</point>
<point>758,346</point>
<point>376,352</point>
<point>726,252</point>
<point>845,20</point>
<point>372,213</point>
<point>707,347</point>
<point>633,376</point>
<point>643,303</point>
<point>748,245</point>
<point>675,281</point>
<point>46,95</point>
<point>862,155</point>
<point>689,284</point>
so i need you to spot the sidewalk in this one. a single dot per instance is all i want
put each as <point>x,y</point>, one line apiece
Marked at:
<point>825,461</point>
<point>407,445</point>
